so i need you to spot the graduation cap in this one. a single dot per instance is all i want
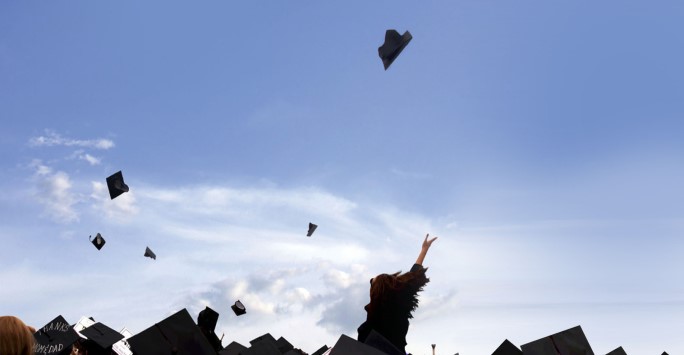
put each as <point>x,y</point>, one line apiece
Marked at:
<point>54,338</point>
<point>321,351</point>
<point>568,342</point>
<point>150,254</point>
<point>177,334</point>
<point>283,345</point>
<point>394,44</point>
<point>234,348</point>
<point>312,228</point>
<point>116,185</point>
<point>348,346</point>
<point>102,336</point>
<point>620,351</point>
<point>507,348</point>
<point>381,343</point>
<point>238,308</point>
<point>262,348</point>
<point>98,242</point>
<point>206,320</point>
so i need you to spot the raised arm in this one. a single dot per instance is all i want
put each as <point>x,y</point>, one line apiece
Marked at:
<point>424,249</point>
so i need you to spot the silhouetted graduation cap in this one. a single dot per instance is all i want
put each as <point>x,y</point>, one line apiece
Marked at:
<point>177,334</point>
<point>116,185</point>
<point>283,345</point>
<point>238,308</point>
<point>54,338</point>
<point>619,351</point>
<point>206,320</point>
<point>233,348</point>
<point>348,346</point>
<point>568,342</point>
<point>312,228</point>
<point>664,353</point>
<point>322,350</point>
<point>150,254</point>
<point>102,336</point>
<point>263,345</point>
<point>394,44</point>
<point>381,343</point>
<point>98,242</point>
<point>507,348</point>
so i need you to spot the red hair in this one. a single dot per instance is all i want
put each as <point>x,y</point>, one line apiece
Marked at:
<point>15,337</point>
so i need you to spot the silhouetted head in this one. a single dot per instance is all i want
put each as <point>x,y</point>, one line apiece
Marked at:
<point>396,290</point>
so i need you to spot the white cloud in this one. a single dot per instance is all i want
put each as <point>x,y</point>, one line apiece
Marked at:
<point>54,192</point>
<point>51,139</point>
<point>121,208</point>
<point>90,159</point>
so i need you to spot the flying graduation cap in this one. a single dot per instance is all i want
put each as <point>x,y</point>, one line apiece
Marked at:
<point>101,338</point>
<point>394,44</point>
<point>55,338</point>
<point>238,308</point>
<point>150,254</point>
<point>312,228</point>
<point>206,320</point>
<point>98,242</point>
<point>116,185</point>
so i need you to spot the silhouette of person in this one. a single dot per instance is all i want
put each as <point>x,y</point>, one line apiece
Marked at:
<point>393,298</point>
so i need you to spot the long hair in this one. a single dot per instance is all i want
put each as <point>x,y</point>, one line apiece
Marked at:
<point>397,292</point>
<point>15,337</point>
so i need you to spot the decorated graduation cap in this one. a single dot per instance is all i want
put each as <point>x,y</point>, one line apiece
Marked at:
<point>116,185</point>
<point>55,338</point>
<point>394,44</point>
<point>100,338</point>
<point>98,242</point>
<point>150,254</point>
<point>348,346</point>
<point>177,334</point>
<point>619,351</point>
<point>507,348</point>
<point>312,228</point>
<point>570,341</point>
<point>238,308</point>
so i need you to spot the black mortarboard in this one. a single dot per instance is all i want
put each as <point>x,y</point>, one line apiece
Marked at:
<point>570,341</point>
<point>394,44</point>
<point>264,338</point>
<point>283,345</point>
<point>98,242</point>
<point>206,320</point>
<point>150,254</point>
<point>312,228</point>
<point>116,185</point>
<point>233,348</point>
<point>262,348</point>
<point>238,308</point>
<point>507,348</point>
<point>348,346</point>
<point>177,334</point>
<point>102,336</point>
<point>55,337</point>
<point>620,351</point>
<point>664,353</point>
<point>381,343</point>
<point>321,351</point>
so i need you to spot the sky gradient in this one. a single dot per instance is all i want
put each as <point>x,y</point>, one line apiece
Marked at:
<point>541,142</point>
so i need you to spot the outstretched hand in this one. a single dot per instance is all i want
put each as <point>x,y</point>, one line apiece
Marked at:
<point>427,243</point>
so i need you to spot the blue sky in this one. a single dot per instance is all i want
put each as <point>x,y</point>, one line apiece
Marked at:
<point>542,143</point>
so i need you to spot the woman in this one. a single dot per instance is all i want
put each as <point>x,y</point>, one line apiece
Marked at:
<point>392,300</point>
<point>15,337</point>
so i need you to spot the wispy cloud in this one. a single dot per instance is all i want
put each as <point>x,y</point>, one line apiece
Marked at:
<point>51,139</point>
<point>54,192</point>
